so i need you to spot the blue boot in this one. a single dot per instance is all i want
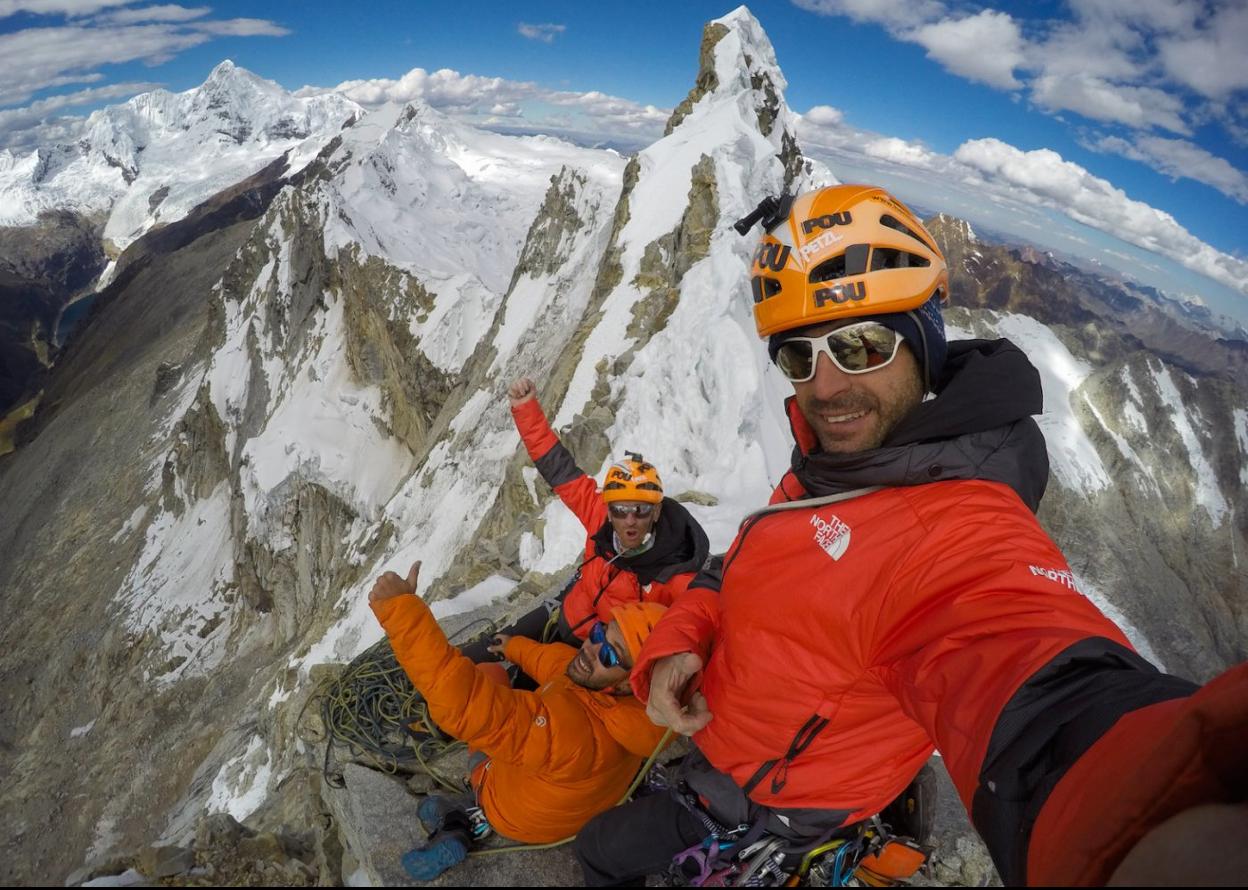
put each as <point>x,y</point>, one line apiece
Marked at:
<point>445,849</point>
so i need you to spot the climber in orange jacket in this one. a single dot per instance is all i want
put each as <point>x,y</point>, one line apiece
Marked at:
<point>640,547</point>
<point>899,596</point>
<point>548,760</point>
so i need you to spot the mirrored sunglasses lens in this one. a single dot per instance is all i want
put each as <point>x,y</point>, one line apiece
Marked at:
<point>607,656</point>
<point>794,359</point>
<point>863,348</point>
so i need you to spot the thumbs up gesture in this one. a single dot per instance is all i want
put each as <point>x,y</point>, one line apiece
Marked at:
<point>391,585</point>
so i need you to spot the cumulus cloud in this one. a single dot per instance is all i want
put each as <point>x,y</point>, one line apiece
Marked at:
<point>473,95</point>
<point>1043,176</point>
<point>890,148</point>
<point>824,116</point>
<point>985,47</point>
<point>1145,64</point>
<point>1180,159</point>
<point>1136,107</point>
<point>1211,59</point>
<point>544,33</point>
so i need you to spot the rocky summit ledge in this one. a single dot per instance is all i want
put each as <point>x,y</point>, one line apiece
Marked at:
<point>377,822</point>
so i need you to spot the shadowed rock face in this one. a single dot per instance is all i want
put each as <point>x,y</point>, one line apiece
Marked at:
<point>42,268</point>
<point>95,446</point>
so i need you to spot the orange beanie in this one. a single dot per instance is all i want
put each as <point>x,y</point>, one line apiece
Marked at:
<point>636,620</point>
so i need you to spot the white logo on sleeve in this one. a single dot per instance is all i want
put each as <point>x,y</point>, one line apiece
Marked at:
<point>1061,576</point>
<point>831,534</point>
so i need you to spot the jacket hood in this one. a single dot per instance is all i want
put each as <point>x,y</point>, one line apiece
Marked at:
<point>680,545</point>
<point>979,426</point>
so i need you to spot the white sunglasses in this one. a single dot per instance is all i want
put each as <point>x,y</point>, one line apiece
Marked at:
<point>856,349</point>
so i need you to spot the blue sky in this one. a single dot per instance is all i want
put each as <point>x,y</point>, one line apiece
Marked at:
<point>1066,123</point>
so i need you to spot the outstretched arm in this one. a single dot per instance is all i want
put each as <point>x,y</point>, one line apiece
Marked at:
<point>1062,741</point>
<point>577,491</point>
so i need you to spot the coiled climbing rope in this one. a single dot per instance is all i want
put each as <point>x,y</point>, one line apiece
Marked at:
<point>373,710</point>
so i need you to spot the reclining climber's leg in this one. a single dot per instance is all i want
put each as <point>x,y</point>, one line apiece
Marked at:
<point>634,840</point>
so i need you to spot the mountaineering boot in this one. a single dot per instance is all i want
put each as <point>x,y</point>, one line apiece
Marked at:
<point>445,849</point>
<point>434,810</point>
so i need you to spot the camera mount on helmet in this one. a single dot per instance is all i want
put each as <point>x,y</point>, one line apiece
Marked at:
<point>771,210</point>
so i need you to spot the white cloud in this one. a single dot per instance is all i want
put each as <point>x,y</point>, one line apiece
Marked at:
<point>1044,177</point>
<point>896,13</point>
<point>242,28</point>
<point>1212,60</point>
<point>471,94</point>
<point>824,116</point>
<point>890,148</point>
<point>985,47</point>
<point>544,33</point>
<point>32,58</point>
<point>1179,159</point>
<point>57,7</point>
<point>1137,107</point>
<point>1132,62</point>
<point>36,59</point>
<point>38,112</point>
<point>165,13</point>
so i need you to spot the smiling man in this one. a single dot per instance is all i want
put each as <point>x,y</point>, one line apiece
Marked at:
<point>543,761</point>
<point>899,596</point>
<point>640,546</point>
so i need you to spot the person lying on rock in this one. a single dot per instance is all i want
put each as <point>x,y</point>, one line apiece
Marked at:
<point>641,546</point>
<point>542,762</point>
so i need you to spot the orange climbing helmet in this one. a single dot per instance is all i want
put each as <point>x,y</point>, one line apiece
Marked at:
<point>632,479</point>
<point>840,252</point>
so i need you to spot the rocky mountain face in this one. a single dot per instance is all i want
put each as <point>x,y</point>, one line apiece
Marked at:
<point>68,211</point>
<point>301,383</point>
<point>43,267</point>
<point>1145,426</point>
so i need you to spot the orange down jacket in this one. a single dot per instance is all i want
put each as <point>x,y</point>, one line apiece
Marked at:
<point>558,756</point>
<point>605,579</point>
<point>907,598</point>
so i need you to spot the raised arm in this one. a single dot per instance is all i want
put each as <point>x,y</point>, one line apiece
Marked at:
<point>577,491</point>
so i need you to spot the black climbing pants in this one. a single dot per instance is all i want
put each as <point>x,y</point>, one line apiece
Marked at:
<point>623,845</point>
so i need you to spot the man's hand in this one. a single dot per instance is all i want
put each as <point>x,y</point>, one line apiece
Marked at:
<point>521,391</point>
<point>500,643</point>
<point>668,684</point>
<point>391,585</point>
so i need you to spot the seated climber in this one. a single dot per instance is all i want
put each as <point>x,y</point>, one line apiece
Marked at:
<point>641,546</point>
<point>542,762</point>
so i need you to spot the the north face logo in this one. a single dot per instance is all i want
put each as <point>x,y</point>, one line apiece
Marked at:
<point>832,535</point>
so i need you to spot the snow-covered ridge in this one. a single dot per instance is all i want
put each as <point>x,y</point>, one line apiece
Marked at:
<point>131,163</point>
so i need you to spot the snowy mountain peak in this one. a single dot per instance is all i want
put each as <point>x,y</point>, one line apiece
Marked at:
<point>130,160</point>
